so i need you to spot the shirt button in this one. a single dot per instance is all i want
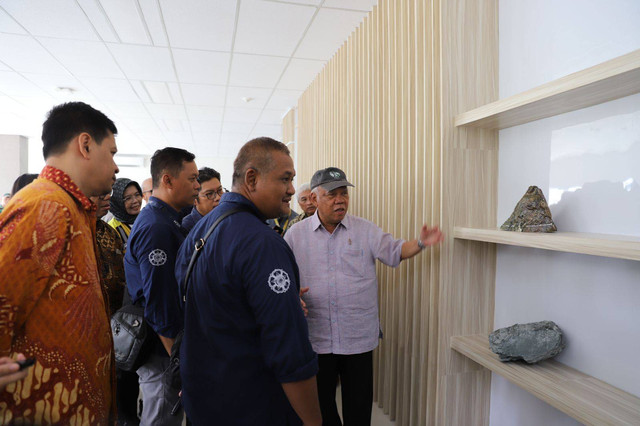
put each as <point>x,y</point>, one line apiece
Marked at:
<point>333,303</point>
<point>331,285</point>
<point>331,269</point>
<point>333,321</point>
<point>331,252</point>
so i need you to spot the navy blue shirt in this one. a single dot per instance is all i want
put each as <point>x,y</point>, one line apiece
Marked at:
<point>191,219</point>
<point>150,266</point>
<point>245,332</point>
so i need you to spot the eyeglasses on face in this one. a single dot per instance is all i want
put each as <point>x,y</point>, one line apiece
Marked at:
<point>130,198</point>
<point>211,195</point>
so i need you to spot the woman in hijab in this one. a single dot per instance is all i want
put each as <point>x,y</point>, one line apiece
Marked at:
<point>125,204</point>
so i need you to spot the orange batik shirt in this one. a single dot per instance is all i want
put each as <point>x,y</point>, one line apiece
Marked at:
<point>52,307</point>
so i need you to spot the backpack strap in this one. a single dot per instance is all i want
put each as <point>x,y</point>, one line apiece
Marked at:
<point>201,242</point>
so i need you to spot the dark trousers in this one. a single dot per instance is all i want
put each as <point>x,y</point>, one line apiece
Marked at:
<point>356,380</point>
<point>127,398</point>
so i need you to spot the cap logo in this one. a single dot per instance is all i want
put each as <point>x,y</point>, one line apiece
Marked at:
<point>335,175</point>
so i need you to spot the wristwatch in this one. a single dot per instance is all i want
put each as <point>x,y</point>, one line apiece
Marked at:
<point>421,244</point>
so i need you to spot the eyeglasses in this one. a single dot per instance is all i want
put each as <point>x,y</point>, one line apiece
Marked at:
<point>210,195</point>
<point>150,191</point>
<point>129,198</point>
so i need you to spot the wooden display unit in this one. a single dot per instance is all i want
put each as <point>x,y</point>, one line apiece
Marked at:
<point>616,246</point>
<point>604,82</point>
<point>582,397</point>
<point>585,398</point>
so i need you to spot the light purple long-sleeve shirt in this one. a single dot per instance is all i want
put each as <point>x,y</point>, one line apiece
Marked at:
<point>340,271</point>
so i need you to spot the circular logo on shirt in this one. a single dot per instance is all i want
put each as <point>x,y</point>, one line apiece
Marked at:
<point>158,257</point>
<point>279,281</point>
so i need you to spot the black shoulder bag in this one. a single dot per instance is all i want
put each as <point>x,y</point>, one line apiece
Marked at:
<point>184,285</point>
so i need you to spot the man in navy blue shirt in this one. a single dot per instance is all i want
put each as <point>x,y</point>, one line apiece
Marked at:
<point>246,357</point>
<point>208,198</point>
<point>149,266</point>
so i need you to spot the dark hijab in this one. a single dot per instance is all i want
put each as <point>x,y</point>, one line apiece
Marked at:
<point>116,204</point>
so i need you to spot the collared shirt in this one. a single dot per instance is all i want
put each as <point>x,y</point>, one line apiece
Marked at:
<point>340,271</point>
<point>281,224</point>
<point>245,331</point>
<point>150,263</point>
<point>298,218</point>
<point>52,305</point>
<point>191,219</point>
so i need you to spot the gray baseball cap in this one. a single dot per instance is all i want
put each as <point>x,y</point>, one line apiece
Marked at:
<point>329,178</point>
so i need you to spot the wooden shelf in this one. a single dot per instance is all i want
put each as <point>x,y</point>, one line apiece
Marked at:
<point>604,82</point>
<point>585,398</point>
<point>616,246</point>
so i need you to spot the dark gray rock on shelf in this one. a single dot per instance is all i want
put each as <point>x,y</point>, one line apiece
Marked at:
<point>531,342</point>
<point>531,214</point>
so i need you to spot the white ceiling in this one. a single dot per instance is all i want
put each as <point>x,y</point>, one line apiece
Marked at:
<point>168,72</point>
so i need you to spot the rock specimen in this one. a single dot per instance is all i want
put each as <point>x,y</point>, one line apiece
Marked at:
<point>531,214</point>
<point>531,342</point>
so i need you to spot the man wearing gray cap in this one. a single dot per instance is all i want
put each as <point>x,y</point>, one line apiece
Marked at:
<point>336,254</point>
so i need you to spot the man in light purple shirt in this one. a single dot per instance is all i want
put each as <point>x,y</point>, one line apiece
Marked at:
<point>336,254</point>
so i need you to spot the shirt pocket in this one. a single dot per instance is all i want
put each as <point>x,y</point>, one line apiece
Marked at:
<point>353,262</point>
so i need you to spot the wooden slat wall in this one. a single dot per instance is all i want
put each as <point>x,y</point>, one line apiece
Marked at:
<point>382,110</point>
<point>289,126</point>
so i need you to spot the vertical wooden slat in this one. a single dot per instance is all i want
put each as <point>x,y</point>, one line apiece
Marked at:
<point>382,110</point>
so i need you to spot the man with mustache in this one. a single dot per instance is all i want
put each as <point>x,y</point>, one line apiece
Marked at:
<point>246,357</point>
<point>337,254</point>
<point>149,266</point>
<point>52,305</point>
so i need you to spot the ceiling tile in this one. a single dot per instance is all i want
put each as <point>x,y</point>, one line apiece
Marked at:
<point>94,11</point>
<point>240,128</point>
<point>60,18</point>
<point>9,105</point>
<point>144,62</point>
<point>196,66</point>
<point>284,99</point>
<point>329,30</point>
<point>175,126</point>
<point>9,25</point>
<point>3,67</point>
<point>25,54</point>
<point>13,84</point>
<point>273,131</point>
<point>167,112</point>
<point>241,115</point>
<point>153,19</point>
<point>364,5</point>
<point>110,89</point>
<point>205,113</point>
<point>83,58</point>
<point>158,91</point>
<point>256,71</point>
<point>271,28</point>
<point>50,83</point>
<point>140,90</point>
<point>126,18</point>
<point>205,127</point>
<point>144,127</point>
<point>255,97</point>
<point>311,2</point>
<point>128,109</point>
<point>200,94</point>
<point>271,116</point>
<point>200,24</point>
<point>174,89</point>
<point>300,73</point>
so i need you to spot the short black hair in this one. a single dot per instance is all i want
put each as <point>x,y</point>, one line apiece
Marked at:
<point>256,154</point>
<point>170,160</point>
<point>22,181</point>
<point>205,174</point>
<point>68,120</point>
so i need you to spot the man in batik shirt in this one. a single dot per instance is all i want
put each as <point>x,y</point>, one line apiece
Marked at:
<point>52,306</point>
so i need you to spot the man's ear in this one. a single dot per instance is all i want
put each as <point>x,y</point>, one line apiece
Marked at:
<point>314,198</point>
<point>83,141</point>
<point>251,179</point>
<point>167,180</point>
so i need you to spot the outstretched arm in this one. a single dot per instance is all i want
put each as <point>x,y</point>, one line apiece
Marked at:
<point>428,236</point>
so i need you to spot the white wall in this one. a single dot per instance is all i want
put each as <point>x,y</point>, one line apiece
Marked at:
<point>586,163</point>
<point>15,152</point>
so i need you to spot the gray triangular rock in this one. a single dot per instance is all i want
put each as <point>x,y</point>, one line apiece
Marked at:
<point>531,214</point>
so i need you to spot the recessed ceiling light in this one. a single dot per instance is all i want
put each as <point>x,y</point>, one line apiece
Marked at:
<point>68,90</point>
<point>246,99</point>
